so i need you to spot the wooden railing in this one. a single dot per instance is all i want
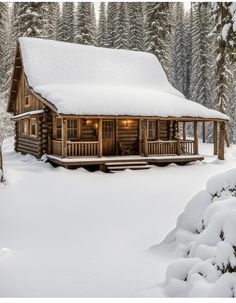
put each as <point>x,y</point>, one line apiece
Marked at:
<point>82,148</point>
<point>162,147</point>
<point>187,147</point>
<point>56,147</point>
<point>170,147</point>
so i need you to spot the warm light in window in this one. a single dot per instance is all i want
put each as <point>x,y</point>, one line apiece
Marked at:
<point>126,122</point>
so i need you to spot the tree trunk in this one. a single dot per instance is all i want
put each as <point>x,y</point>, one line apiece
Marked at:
<point>1,165</point>
<point>221,154</point>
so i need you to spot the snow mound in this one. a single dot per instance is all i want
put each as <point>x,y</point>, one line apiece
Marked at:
<point>87,80</point>
<point>205,237</point>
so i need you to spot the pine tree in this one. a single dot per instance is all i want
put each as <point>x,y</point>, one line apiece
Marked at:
<point>66,32</point>
<point>112,13</point>
<point>158,29</point>
<point>3,33</point>
<point>121,27</point>
<point>188,45</point>
<point>224,31</point>
<point>102,38</point>
<point>179,50</point>
<point>201,66</point>
<point>84,25</point>
<point>136,26</point>
<point>53,19</point>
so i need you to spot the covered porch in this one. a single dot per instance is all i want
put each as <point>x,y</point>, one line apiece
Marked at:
<point>97,140</point>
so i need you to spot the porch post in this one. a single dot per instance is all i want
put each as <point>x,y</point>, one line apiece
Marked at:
<point>117,136</point>
<point>145,141</point>
<point>184,130</point>
<point>203,132</point>
<point>64,137</point>
<point>215,137</point>
<point>195,138</point>
<point>140,136</point>
<point>221,151</point>
<point>100,138</point>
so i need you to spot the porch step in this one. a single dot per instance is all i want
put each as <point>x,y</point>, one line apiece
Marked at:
<point>126,163</point>
<point>134,165</point>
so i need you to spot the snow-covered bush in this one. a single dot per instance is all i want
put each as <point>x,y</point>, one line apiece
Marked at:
<point>205,237</point>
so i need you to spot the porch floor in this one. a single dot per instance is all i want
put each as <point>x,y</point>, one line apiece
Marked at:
<point>83,161</point>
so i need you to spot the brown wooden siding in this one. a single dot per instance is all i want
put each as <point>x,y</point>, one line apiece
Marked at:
<point>88,130</point>
<point>128,133</point>
<point>164,130</point>
<point>35,104</point>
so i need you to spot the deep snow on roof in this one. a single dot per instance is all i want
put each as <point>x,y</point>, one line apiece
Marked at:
<point>88,80</point>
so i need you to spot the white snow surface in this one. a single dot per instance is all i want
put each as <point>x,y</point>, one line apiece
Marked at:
<point>87,80</point>
<point>80,234</point>
<point>205,238</point>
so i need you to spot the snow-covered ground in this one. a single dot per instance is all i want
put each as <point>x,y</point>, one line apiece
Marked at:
<point>77,233</point>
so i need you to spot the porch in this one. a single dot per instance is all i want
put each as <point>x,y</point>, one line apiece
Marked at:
<point>81,141</point>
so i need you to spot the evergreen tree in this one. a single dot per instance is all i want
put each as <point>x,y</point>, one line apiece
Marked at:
<point>158,29</point>
<point>121,27</point>
<point>201,57</point>
<point>136,26</point>
<point>188,46</point>
<point>84,25</point>
<point>112,13</point>
<point>3,34</point>
<point>66,32</point>
<point>53,19</point>
<point>102,38</point>
<point>224,31</point>
<point>179,49</point>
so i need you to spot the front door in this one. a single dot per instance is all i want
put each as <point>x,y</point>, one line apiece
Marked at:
<point>108,137</point>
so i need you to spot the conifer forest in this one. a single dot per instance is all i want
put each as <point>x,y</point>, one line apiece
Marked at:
<point>196,45</point>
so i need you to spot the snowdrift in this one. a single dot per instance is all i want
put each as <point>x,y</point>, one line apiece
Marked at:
<point>205,238</point>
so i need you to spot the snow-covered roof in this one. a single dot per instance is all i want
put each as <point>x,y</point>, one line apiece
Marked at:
<point>87,80</point>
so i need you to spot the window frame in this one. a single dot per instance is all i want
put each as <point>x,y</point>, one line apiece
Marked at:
<point>58,128</point>
<point>31,127</point>
<point>25,130</point>
<point>152,128</point>
<point>28,97</point>
<point>72,129</point>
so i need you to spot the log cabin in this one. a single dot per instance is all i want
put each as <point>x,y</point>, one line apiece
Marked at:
<point>83,105</point>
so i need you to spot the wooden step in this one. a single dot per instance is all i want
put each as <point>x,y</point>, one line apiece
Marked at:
<point>115,168</point>
<point>126,163</point>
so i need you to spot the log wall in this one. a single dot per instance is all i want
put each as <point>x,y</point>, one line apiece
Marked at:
<point>23,91</point>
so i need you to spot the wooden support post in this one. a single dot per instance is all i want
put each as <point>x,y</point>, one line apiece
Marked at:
<point>215,137</point>
<point>203,132</point>
<point>227,135</point>
<point>64,137</point>
<point>195,138</point>
<point>140,137</point>
<point>117,136</point>
<point>100,138</point>
<point>158,130</point>
<point>221,152</point>
<point>145,139</point>
<point>184,130</point>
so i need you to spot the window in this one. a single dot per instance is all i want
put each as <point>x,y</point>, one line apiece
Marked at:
<point>107,129</point>
<point>151,130</point>
<point>58,125</point>
<point>27,101</point>
<point>26,127</point>
<point>33,127</point>
<point>72,129</point>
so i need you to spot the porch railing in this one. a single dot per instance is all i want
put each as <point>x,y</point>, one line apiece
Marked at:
<point>170,147</point>
<point>82,148</point>
<point>90,148</point>
<point>162,147</point>
<point>187,147</point>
